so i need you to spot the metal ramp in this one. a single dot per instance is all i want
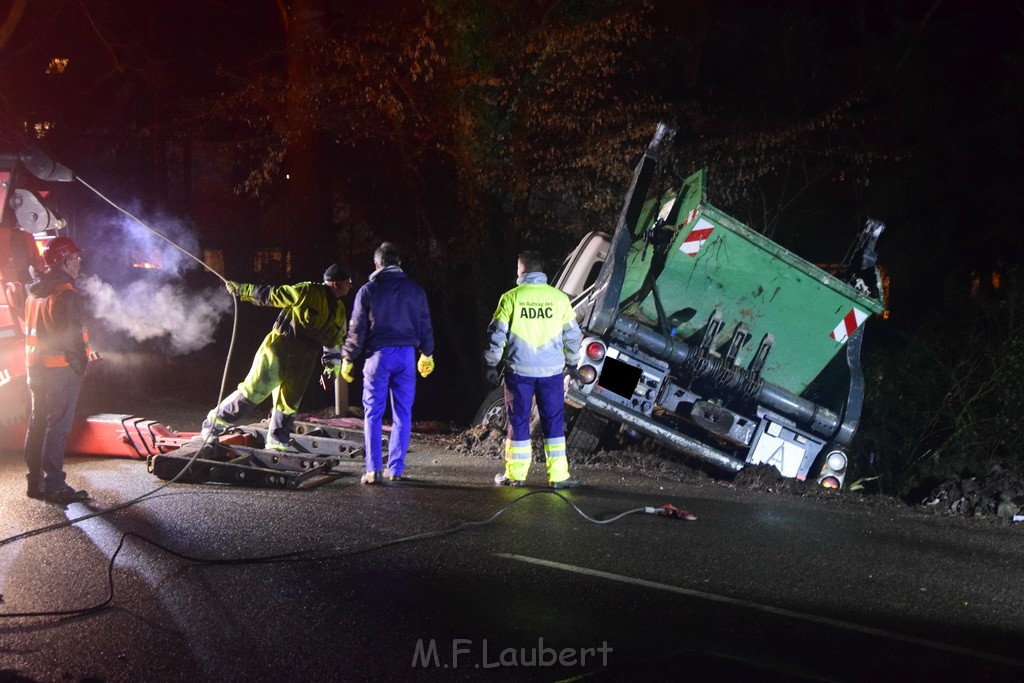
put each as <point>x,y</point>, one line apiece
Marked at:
<point>240,459</point>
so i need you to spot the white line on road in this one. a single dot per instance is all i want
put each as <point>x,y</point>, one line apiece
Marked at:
<point>834,623</point>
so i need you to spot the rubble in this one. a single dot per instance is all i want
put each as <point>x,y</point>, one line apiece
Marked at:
<point>999,493</point>
<point>479,440</point>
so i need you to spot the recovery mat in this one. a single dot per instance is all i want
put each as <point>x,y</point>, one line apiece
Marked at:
<point>313,454</point>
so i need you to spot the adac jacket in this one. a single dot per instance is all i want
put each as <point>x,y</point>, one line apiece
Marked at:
<point>390,310</point>
<point>310,313</point>
<point>55,334</point>
<point>534,329</point>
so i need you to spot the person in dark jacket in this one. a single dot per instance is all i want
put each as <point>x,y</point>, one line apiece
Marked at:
<point>56,355</point>
<point>390,323</point>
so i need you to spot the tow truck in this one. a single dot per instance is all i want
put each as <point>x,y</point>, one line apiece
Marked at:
<point>238,458</point>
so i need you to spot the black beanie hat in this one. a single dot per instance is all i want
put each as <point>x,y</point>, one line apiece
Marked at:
<point>336,273</point>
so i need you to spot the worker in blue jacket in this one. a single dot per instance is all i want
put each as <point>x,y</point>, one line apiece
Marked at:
<point>390,324</point>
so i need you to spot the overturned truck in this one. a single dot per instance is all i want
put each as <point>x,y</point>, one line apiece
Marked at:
<point>710,339</point>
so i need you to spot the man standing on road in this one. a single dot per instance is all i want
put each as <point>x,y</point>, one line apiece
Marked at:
<point>390,322</point>
<point>313,320</point>
<point>56,354</point>
<point>534,331</point>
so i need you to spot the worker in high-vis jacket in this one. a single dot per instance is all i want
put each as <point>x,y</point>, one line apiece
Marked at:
<point>56,355</point>
<point>312,324</point>
<point>390,325</point>
<point>535,334</point>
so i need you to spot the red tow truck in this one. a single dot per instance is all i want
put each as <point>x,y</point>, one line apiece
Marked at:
<point>26,225</point>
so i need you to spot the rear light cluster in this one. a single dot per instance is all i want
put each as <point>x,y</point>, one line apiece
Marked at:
<point>833,471</point>
<point>595,352</point>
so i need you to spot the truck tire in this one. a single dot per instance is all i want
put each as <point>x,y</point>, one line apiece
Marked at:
<point>492,411</point>
<point>491,414</point>
<point>586,432</point>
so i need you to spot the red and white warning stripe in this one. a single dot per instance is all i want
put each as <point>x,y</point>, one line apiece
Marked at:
<point>697,237</point>
<point>848,325</point>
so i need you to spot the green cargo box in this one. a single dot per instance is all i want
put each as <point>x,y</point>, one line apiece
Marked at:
<point>715,262</point>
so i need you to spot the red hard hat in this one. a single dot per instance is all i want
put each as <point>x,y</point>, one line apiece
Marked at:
<point>58,249</point>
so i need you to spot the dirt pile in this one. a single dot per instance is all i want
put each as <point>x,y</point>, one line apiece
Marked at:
<point>479,440</point>
<point>642,462</point>
<point>483,441</point>
<point>999,493</point>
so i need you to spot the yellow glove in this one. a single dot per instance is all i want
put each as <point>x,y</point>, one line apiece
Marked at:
<point>346,370</point>
<point>425,366</point>
<point>232,287</point>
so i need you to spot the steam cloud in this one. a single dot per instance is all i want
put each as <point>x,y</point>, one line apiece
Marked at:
<point>148,310</point>
<point>150,304</point>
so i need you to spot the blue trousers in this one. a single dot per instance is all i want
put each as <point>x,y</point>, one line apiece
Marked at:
<point>54,399</point>
<point>520,393</point>
<point>389,373</point>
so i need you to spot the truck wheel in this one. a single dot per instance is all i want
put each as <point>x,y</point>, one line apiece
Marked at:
<point>585,435</point>
<point>492,414</point>
<point>492,411</point>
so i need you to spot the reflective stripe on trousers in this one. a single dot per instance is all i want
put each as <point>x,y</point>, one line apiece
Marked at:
<point>519,453</point>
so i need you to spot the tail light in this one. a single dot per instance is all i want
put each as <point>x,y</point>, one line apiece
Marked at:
<point>588,373</point>
<point>595,351</point>
<point>836,461</point>
<point>833,470</point>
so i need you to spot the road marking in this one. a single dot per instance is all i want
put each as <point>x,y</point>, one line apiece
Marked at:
<point>834,623</point>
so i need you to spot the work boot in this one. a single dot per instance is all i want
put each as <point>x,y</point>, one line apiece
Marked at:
<point>392,477</point>
<point>569,483</point>
<point>36,492</point>
<point>371,478</point>
<point>502,480</point>
<point>65,495</point>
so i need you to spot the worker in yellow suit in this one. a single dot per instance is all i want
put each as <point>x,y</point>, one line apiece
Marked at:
<point>313,321</point>
<point>535,334</point>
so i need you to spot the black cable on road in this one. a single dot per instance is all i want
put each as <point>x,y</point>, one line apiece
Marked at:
<point>311,555</point>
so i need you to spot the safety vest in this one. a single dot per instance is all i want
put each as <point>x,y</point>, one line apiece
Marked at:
<point>533,330</point>
<point>44,346</point>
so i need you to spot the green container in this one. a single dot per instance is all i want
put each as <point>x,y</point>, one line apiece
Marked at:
<point>715,262</point>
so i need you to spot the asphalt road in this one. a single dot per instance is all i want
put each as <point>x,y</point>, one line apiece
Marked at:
<point>444,576</point>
